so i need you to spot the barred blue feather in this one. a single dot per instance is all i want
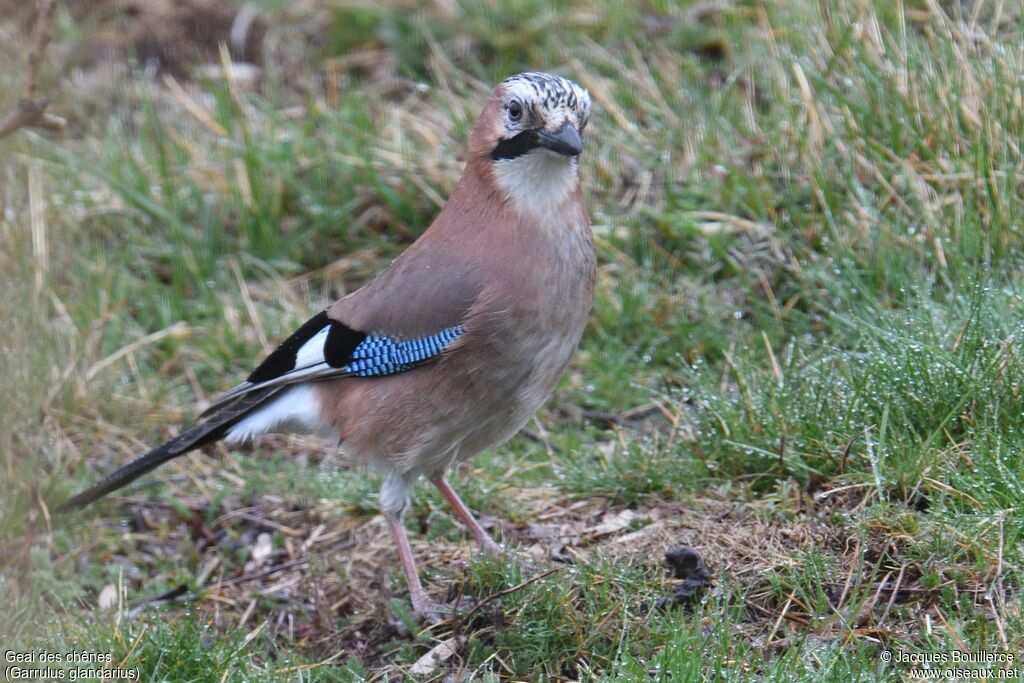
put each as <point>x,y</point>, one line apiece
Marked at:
<point>377,356</point>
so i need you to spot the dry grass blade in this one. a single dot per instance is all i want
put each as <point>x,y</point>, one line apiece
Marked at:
<point>178,329</point>
<point>196,110</point>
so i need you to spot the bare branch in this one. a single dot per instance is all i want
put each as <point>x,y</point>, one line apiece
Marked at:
<point>30,110</point>
<point>40,40</point>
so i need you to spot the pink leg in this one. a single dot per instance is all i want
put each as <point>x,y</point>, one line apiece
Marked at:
<point>422,604</point>
<point>486,542</point>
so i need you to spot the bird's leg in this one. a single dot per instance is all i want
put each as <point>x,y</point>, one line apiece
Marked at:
<point>422,604</point>
<point>487,544</point>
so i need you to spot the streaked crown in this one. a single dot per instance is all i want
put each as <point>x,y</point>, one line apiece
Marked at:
<point>551,99</point>
<point>530,136</point>
<point>538,110</point>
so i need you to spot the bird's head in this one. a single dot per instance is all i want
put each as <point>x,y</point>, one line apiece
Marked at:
<point>530,133</point>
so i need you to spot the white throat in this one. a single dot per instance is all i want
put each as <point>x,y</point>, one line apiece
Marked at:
<point>537,182</point>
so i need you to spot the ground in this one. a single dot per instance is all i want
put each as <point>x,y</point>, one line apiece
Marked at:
<point>803,365</point>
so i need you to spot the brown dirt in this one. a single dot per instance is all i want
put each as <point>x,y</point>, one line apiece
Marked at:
<point>171,35</point>
<point>327,590</point>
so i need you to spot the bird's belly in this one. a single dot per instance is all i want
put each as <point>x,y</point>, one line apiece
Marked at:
<point>515,403</point>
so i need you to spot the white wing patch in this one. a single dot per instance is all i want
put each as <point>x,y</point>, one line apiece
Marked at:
<point>296,410</point>
<point>312,352</point>
<point>309,363</point>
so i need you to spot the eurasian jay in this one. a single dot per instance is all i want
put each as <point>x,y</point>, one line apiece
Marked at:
<point>454,346</point>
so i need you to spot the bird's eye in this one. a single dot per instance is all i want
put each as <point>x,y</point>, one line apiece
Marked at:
<point>515,111</point>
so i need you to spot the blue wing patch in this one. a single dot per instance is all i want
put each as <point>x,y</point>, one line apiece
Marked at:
<point>377,356</point>
<point>324,348</point>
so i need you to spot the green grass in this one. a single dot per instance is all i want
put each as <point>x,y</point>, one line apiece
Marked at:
<point>808,218</point>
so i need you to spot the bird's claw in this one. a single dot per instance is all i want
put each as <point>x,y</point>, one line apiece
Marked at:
<point>429,610</point>
<point>492,549</point>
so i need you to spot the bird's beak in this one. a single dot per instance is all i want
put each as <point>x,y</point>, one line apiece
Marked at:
<point>564,141</point>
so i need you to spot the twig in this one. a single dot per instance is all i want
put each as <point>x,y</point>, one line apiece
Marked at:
<point>165,597</point>
<point>500,594</point>
<point>40,39</point>
<point>895,590</point>
<point>782,616</point>
<point>31,110</point>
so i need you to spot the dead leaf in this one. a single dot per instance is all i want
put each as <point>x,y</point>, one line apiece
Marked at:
<point>439,654</point>
<point>262,549</point>
<point>611,523</point>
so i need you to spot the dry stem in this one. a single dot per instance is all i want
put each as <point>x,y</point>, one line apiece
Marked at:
<point>31,110</point>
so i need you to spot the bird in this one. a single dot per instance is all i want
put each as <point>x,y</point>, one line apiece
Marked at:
<point>454,346</point>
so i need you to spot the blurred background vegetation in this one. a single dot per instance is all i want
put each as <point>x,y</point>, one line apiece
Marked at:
<point>804,359</point>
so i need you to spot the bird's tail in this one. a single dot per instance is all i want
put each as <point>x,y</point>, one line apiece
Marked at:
<point>198,435</point>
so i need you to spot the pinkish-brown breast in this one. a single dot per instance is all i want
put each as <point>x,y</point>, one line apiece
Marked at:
<point>521,287</point>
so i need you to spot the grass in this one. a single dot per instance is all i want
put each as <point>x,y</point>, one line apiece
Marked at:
<point>804,358</point>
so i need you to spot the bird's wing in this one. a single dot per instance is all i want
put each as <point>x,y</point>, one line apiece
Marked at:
<point>324,348</point>
<point>409,315</point>
<point>392,325</point>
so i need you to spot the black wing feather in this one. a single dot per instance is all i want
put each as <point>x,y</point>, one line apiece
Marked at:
<point>198,435</point>
<point>339,351</point>
<point>341,342</point>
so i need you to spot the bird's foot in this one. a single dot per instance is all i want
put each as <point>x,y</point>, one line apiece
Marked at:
<point>490,547</point>
<point>430,610</point>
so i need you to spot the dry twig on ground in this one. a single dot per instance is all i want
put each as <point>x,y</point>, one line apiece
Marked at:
<point>31,110</point>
